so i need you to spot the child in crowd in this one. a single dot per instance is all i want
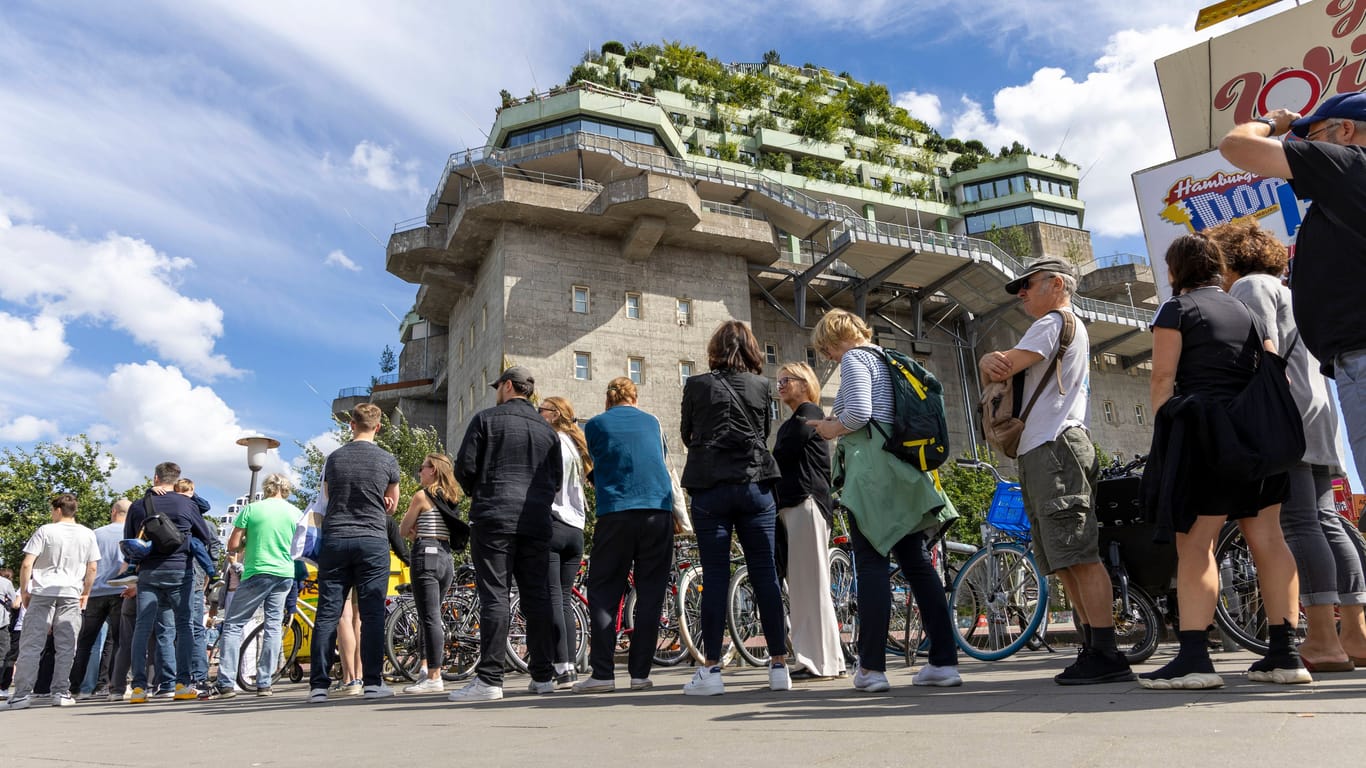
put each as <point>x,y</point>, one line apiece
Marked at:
<point>136,549</point>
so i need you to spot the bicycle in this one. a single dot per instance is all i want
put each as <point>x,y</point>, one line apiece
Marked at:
<point>460,620</point>
<point>295,640</point>
<point>1136,565</point>
<point>999,599</point>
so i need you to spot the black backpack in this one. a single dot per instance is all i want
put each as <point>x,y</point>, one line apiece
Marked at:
<point>920,426</point>
<point>160,530</point>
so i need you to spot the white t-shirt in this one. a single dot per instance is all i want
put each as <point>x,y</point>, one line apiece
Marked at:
<point>1056,409</point>
<point>570,502</point>
<point>61,552</point>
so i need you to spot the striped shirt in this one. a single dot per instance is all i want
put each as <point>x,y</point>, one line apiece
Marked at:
<point>431,525</point>
<point>865,389</point>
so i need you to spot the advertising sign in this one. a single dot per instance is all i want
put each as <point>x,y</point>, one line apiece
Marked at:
<point>1292,60</point>
<point>1196,193</point>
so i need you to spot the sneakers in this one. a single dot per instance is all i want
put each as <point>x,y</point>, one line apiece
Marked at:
<point>807,675</point>
<point>778,677</point>
<point>941,677</point>
<point>538,688</point>
<point>426,686</point>
<point>102,693</point>
<point>20,702</point>
<point>185,693</point>
<point>117,696</point>
<point>352,688</point>
<point>1094,666</point>
<point>566,679</point>
<point>4,694</point>
<point>317,696</point>
<point>227,693</point>
<point>63,700</point>
<point>380,691</point>
<point>1281,668</point>
<point>206,691</point>
<point>265,693</point>
<point>706,682</point>
<point>139,696</point>
<point>128,577</point>
<point>166,693</point>
<point>870,681</point>
<point>1192,672</point>
<point>477,690</point>
<point>642,683</point>
<point>594,685</point>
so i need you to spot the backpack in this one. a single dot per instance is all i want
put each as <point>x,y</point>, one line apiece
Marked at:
<point>999,407</point>
<point>920,426</point>
<point>159,530</point>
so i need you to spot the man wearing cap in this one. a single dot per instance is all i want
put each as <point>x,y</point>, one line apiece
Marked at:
<point>1329,269</point>
<point>1057,460</point>
<point>509,465</point>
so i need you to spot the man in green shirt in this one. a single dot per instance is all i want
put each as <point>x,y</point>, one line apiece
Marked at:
<point>267,526</point>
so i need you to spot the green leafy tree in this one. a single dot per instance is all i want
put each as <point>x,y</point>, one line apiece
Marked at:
<point>612,46</point>
<point>963,163</point>
<point>30,478</point>
<point>1012,240</point>
<point>772,57</point>
<point>409,444</point>
<point>387,360</point>
<point>971,491</point>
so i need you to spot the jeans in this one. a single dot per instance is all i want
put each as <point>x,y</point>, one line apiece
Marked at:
<point>872,569</point>
<point>363,563</point>
<point>747,509</point>
<point>63,616</point>
<point>164,613</point>
<point>123,652</point>
<point>566,554</point>
<point>433,571</point>
<point>199,654</point>
<point>639,539</point>
<point>1349,372</point>
<point>99,612</point>
<point>260,589</point>
<point>499,558</point>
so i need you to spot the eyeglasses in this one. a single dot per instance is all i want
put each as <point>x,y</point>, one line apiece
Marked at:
<point>548,409</point>
<point>785,380</point>
<point>1033,281</point>
<point>1313,135</point>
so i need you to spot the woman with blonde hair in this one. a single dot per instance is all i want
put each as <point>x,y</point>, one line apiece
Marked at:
<point>804,511</point>
<point>634,531</point>
<point>433,568</point>
<point>893,507</point>
<point>730,475</point>
<point>568,513</point>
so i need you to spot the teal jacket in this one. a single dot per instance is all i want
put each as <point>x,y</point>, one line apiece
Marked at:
<point>887,497</point>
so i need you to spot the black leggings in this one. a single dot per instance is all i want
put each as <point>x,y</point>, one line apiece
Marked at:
<point>566,553</point>
<point>433,571</point>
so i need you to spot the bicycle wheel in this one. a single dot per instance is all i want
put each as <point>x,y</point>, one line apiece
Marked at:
<point>403,642</point>
<point>843,595</point>
<point>998,601</point>
<point>460,615</point>
<point>900,619</point>
<point>252,646</point>
<point>669,647</point>
<point>518,653</point>
<point>690,618</point>
<point>1138,629</point>
<point>581,636</point>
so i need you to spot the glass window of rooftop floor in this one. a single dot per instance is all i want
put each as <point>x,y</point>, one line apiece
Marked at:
<point>633,306</point>
<point>574,125</point>
<point>1022,214</point>
<point>583,366</point>
<point>684,371</point>
<point>635,370</point>
<point>684,310</point>
<point>579,299</point>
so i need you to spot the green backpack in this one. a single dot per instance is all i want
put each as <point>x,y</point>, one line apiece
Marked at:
<point>920,427</point>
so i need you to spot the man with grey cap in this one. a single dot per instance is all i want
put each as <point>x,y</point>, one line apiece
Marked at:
<point>1057,460</point>
<point>509,466</point>
<point>1329,268</point>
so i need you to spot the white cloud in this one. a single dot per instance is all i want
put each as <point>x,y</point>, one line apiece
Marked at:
<point>155,414</point>
<point>31,348</point>
<point>119,280</point>
<point>339,259</point>
<point>381,169</point>
<point>922,106</point>
<point>27,429</point>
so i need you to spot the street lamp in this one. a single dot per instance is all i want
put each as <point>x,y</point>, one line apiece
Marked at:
<point>257,445</point>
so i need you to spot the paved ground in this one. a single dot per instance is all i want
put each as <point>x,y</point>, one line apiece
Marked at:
<point>1007,714</point>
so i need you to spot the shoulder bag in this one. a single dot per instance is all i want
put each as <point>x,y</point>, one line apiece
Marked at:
<point>1265,415</point>
<point>1001,428</point>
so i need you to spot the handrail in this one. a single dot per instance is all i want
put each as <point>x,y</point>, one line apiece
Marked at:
<point>353,392</point>
<point>732,210</point>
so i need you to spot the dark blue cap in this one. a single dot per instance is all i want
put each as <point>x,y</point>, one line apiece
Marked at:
<point>1345,106</point>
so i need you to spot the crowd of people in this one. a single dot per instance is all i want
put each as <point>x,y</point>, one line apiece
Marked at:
<point>525,467</point>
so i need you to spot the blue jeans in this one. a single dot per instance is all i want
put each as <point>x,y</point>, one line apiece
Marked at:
<point>260,589</point>
<point>164,607</point>
<point>363,563</point>
<point>199,655</point>
<point>750,512</point>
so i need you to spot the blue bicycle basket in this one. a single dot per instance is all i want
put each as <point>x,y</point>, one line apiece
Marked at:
<point>1007,508</point>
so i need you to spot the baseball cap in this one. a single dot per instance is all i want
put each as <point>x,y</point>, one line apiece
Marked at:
<point>517,375</point>
<point>1045,264</point>
<point>1347,106</point>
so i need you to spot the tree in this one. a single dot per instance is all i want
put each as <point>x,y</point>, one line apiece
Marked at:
<point>387,361</point>
<point>772,57</point>
<point>1012,240</point>
<point>30,478</point>
<point>409,444</point>
<point>971,491</point>
<point>612,46</point>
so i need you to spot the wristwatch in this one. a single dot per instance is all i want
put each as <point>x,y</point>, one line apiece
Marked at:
<point>1267,122</point>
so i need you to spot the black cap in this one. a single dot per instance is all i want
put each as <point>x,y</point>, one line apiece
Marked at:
<point>1045,264</point>
<point>517,375</point>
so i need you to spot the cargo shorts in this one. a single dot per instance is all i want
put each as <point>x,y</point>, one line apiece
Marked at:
<point>1058,482</point>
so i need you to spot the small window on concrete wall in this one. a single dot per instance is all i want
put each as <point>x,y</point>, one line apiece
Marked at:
<point>583,366</point>
<point>580,299</point>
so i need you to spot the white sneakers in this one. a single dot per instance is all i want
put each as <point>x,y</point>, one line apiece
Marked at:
<point>547,686</point>
<point>426,686</point>
<point>943,677</point>
<point>595,685</point>
<point>870,681</point>
<point>706,682</point>
<point>778,678</point>
<point>478,690</point>
<point>642,683</point>
<point>380,691</point>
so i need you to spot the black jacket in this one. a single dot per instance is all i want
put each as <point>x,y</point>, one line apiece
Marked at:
<point>804,459</point>
<point>181,511</point>
<point>722,445</point>
<point>509,465</point>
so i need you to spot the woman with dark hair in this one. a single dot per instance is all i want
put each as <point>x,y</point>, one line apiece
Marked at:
<point>730,476</point>
<point>1327,559</point>
<point>567,516</point>
<point>1206,347</point>
<point>433,568</point>
<point>804,509</point>
<point>634,532</point>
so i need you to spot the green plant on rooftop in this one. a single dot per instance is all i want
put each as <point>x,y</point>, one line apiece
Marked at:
<point>816,167</point>
<point>612,46</point>
<point>772,57</point>
<point>775,161</point>
<point>727,150</point>
<point>963,163</point>
<point>976,147</point>
<point>507,97</point>
<point>590,73</point>
<point>1015,148</point>
<point>764,120</point>
<point>1012,240</point>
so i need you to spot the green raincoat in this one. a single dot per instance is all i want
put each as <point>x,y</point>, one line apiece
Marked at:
<point>887,497</point>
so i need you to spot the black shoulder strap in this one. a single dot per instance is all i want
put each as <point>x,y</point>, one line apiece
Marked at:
<point>753,430</point>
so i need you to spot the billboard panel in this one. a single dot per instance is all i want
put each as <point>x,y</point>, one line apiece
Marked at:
<point>1195,193</point>
<point>1293,60</point>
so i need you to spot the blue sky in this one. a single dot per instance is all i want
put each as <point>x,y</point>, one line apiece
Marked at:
<point>191,194</point>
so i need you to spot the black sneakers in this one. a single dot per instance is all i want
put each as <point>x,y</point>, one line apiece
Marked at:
<point>1093,666</point>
